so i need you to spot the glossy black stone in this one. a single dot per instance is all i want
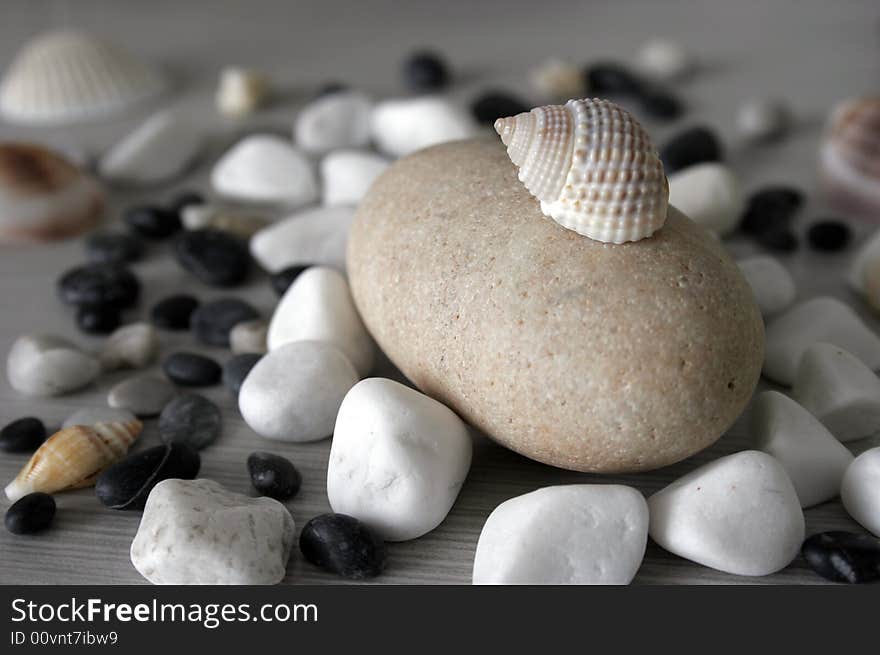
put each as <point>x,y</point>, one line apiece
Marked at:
<point>110,247</point>
<point>843,556</point>
<point>661,104</point>
<point>185,198</point>
<point>283,279</point>
<point>212,321</point>
<point>778,240</point>
<point>235,370</point>
<point>492,105</point>
<point>23,435</point>
<point>128,483</point>
<point>342,545</point>
<point>190,419</point>
<point>152,221</point>
<point>191,370</point>
<point>216,258</point>
<point>101,319</point>
<point>30,513</point>
<point>829,236</point>
<point>99,284</point>
<point>273,475</point>
<point>694,145</point>
<point>771,208</point>
<point>174,312</point>
<point>425,71</point>
<point>611,77</point>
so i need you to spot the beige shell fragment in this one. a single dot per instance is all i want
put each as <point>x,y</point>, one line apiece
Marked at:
<point>592,166</point>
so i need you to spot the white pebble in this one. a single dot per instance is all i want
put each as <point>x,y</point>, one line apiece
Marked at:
<point>814,460</point>
<point>318,307</point>
<point>665,60</point>
<point>771,283</point>
<point>558,80</point>
<point>241,222</point>
<point>763,119</point>
<point>864,273</point>
<point>709,194</point>
<point>573,534</point>
<point>92,415</point>
<point>860,491</point>
<point>337,120</point>
<point>294,392</point>
<point>248,336</point>
<point>266,169</point>
<point>348,175</point>
<point>131,346</point>
<point>240,91</point>
<point>197,532</point>
<point>45,365</point>
<point>398,459</point>
<point>819,319</point>
<point>401,127</point>
<point>738,514</point>
<point>313,236</point>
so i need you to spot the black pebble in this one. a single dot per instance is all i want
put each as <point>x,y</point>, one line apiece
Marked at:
<point>152,222</point>
<point>191,370</point>
<point>343,545</point>
<point>273,475</point>
<point>214,257</point>
<point>100,319</point>
<point>109,247</point>
<point>184,199</point>
<point>771,208</point>
<point>661,104</point>
<point>330,88</point>
<point>843,556</point>
<point>23,435</point>
<point>829,236</point>
<point>492,105</point>
<point>127,484</point>
<point>236,369</point>
<point>190,419</point>
<point>425,71</point>
<point>99,284</point>
<point>282,280</point>
<point>30,513</point>
<point>695,145</point>
<point>212,321</point>
<point>779,240</point>
<point>174,312</point>
<point>613,78</point>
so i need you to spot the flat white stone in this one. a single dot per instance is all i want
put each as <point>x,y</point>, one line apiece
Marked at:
<point>665,60</point>
<point>131,346</point>
<point>771,283</point>
<point>313,236</point>
<point>46,365</point>
<point>819,319</point>
<point>336,120</point>
<point>814,460</point>
<point>294,392</point>
<point>763,119</point>
<point>572,534</point>
<point>318,307</point>
<point>400,127</point>
<point>92,415</point>
<point>197,532</point>
<point>265,168</point>
<point>839,390</point>
<point>398,459</point>
<point>738,514</point>
<point>348,174</point>
<point>860,490</point>
<point>709,194</point>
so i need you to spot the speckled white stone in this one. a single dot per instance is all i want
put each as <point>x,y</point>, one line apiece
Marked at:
<point>131,346</point>
<point>709,194</point>
<point>860,490</point>
<point>348,174</point>
<point>771,283</point>
<point>572,534</point>
<point>248,336</point>
<point>400,127</point>
<point>294,392</point>
<point>738,514</point>
<point>398,459</point>
<point>46,365</point>
<point>197,532</point>
<point>336,120</point>
<point>92,415</point>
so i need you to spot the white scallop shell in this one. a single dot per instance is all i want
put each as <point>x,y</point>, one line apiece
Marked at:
<point>66,76</point>
<point>592,166</point>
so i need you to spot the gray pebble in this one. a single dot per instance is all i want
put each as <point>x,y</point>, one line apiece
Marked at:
<point>190,419</point>
<point>145,395</point>
<point>92,415</point>
<point>235,370</point>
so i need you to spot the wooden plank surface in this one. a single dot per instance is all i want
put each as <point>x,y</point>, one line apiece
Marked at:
<point>811,53</point>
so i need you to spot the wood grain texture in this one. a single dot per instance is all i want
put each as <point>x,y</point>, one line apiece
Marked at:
<point>812,53</point>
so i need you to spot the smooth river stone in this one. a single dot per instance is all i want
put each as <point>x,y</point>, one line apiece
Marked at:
<point>579,354</point>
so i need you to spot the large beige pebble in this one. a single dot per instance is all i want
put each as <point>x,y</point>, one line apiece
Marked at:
<point>580,354</point>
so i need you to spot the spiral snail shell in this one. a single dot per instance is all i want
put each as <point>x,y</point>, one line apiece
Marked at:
<point>592,166</point>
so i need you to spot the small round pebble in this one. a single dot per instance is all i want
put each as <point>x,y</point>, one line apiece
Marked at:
<point>694,145</point>
<point>100,319</point>
<point>329,88</point>
<point>341,544</point>
<point>152,222</point>
<point>492,105</point>
<point>112,247</point>
<point>184,199</point>
<point>236,369</point>
<point>31,513</point>
<point>771,208</point>
<point>249,336</point>
<point>216,258</point>
<point>611,77</point>
<point>661,104</point>
<point>763,119</point>
<point>283,279</point>
<point>99,284</point>
<point>190,419</point>
<point>843,556</point>
<point>23,435</point>
<point>143,395</point>
<point>424,72</point>
<point>273,475</point>
<point>174,312</point>
<point>191,370</point>
<point>212,322</point>
<point>829,236</point>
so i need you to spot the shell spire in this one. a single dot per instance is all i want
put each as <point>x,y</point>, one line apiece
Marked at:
<point>73,457</point>
<point>592,166</point>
